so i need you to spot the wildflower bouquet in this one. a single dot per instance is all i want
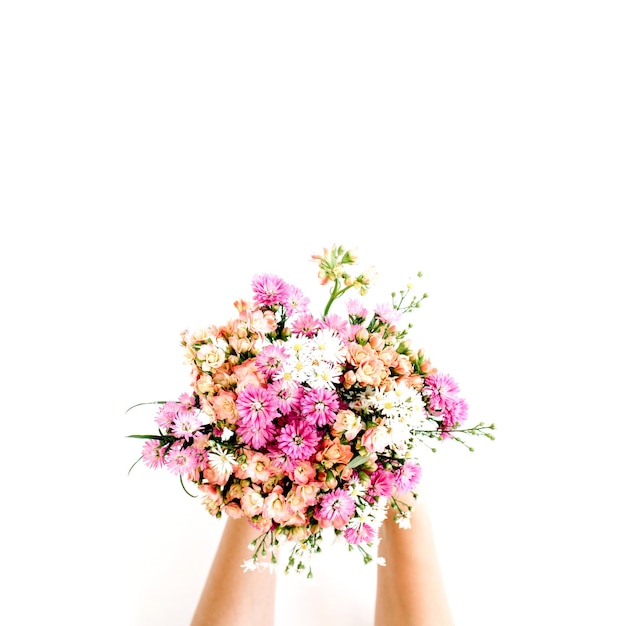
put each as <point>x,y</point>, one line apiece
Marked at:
<point>302,423</point>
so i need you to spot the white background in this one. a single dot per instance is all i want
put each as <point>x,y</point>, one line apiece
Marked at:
<point>154,155</point>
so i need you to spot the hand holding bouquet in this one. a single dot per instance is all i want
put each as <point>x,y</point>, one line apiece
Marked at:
<point>304,424</point>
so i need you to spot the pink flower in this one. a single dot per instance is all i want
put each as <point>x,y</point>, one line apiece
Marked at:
<point>386,313</point>
<point>288,394</point>
<point>270,360</point>
<point>336,507</point>
<point>363,534</point>
<point>320,405</point>
<point>166,415</point>
<point>356,310</point>
<point>336,323</point>
<point>296,301</point>
<point>185,424</point>
<point>181,460</point>
<point>153,453</point>
<point>256,436</point>
<point>306,325</point>
<point>382,483</point>
<point>298,439</point>
<point>269,290</point>
<point>257,406</point>
<point>443,403</point>
<point>407,477</point>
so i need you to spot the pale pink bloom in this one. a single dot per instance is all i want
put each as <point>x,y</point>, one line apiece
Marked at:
<point>303,472</point>
<point>320,405</point>
<point>407,477</point>
<point>213,499</point>
<point>347,423</point>
<point>336,323</point>
<point>258,466</point>
<point>336,507</point>
<point>262,322</point>
<point>387,313</point>
<point>153,453</point>
<point>296,301</point>
<point>181,460</point>
<point>363,533</point>
<point>251,502</point>
<point>269,290</point>
<point>308,493</point>
<point>270,360</point>
<point>187,401</point>
<point>376,439</point>
<point>298,439</point>
<point>356,309</point>
<point>305,325</point>
<point>185,424</point>
<point>166,415</point>
<point>288,394</point>
<point>275,507</point>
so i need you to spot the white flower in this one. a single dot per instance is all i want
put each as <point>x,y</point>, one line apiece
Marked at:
<point>227,433</point>
<point>249,565</point>
<point>324,374</point>
<point>221,461</point>
<point>328,346</point>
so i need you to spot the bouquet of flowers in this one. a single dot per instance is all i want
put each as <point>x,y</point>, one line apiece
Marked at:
<point>307,424</point>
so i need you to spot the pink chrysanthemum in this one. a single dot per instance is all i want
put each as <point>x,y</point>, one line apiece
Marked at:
<point>382,483</point>
<point>298,440</point>
<point>296,301</point>
<point>305,325</point>
<point>288,394</point>
<point>153,453</point>
<point>387,313</point>
<point>442,401</point>
<point>363,534</point>
<point>336,323</point>
<point>257,405</point>
<point>186,423</point>
<point>320,405</point>
<point>270,360</point>
<point>166,415</point>
<point>269,290</point>
<point>181,460</point>
<point>407,477</point>
<point>336,507</point>
<point>187,401</point>
<point>356,309</point>
<point>257,436</point>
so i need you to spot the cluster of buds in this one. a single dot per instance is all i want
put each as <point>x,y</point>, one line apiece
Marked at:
<point>332,269</point>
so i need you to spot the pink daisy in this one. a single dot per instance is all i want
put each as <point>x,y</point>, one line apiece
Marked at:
<point>296,301</point>
<point>153,453</point>
<point>166,415</point>
<point>257,405</point>
<point>382,483</point>
<point>356,310</point>
<point>257,436</point>
<point>181,460</point>
<point>363,534</point>
<point>407,477</point>
<point>336,507</point>
<point>288,394</point>
<point>270,359</point>
<point>187,401</point>
<point>298,440</point>
<point>386,313</point>
<point>337,323</point>
<point>185,424</point>
<point>269,290</point>
<point>320,405</point>
<point>305,325</point>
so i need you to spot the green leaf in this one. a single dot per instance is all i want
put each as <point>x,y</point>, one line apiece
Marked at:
<point>358,460</point>
<point>144,403</point>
